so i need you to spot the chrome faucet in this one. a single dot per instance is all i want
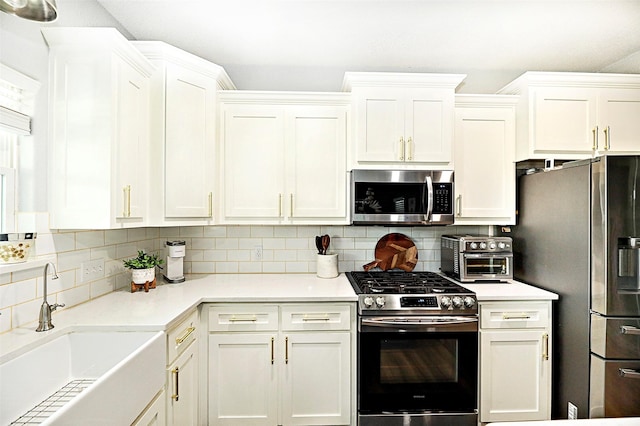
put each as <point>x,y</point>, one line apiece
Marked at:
<point>46,309</point>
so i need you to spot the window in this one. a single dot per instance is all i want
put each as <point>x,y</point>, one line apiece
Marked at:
<point>16,106</point>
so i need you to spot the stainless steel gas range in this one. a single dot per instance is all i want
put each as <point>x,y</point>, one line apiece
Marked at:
<point>417,350</point>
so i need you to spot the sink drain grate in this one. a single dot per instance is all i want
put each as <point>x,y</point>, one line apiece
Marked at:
<point>49,406</point>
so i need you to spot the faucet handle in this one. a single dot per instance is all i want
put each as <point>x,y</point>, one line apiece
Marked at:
<point>57,305</point>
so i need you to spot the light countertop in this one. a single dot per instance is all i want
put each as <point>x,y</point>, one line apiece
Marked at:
<point>163,307</point>
<point>622,421</point>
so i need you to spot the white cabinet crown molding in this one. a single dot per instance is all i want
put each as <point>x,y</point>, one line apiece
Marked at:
<point>98,37</point>
<point>158,51</point>
<point>570,79</point>
<point>413,80</point>
<point>248,97</point>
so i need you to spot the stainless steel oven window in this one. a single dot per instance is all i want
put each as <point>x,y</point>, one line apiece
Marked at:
<point>418,361</point>
<point>487,265</point>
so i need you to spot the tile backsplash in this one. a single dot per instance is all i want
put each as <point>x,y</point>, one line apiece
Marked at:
<point>209,250</point>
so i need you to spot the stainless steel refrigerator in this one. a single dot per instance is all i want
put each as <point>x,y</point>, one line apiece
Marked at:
<point>578,235</point>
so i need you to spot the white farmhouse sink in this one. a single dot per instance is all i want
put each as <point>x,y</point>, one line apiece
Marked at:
<point>123,370</point>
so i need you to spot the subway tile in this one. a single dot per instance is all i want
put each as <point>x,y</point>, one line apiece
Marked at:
<point>72,259</point>
<point>250,267</point>
<point>64,241</point>
<point>45,245</point>
<point>249,243</point>
<point>227,267</point>
<point>285,231</point>
<point>202,243</point>
<point>194,255</point>
<point>74,296</point>
<point>285,255</point>
<point>101,287</point>
<point>192,231</point>
<point>309,231</point>
<point>298,243</point>
<point>169,232</point>
<point>18,292</point>
<point>262,231</point>
<point>65,281</point>
<point>26,313</point>
<point>226,243</point>
<point>239,255</point>
<point>274,267</point>
<point>238,231</point>
<point>136,234</point>
<point>215,231</point>
<point>89,239</point>
<point>115,236</point>
<point>5,320</point>
<point>273,243</point>
<point>203,267</point>
<point>297,267</point>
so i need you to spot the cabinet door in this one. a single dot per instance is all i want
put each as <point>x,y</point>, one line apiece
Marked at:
<point>484,165</point>
<point>316,158</point>
<point>428,126</point>
<point>515,372</point>
<point>380,125</point>
<point>182,385</point>
<point>316,379</point>
<point>618,112</point>
<point>154,414</point>
<point>189,143</point>
<point>564,120</point>
<point>131,138</point>
<point>253,139</point>
<point>243,383</point>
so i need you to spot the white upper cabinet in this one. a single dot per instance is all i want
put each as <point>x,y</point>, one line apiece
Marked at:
<point>576,115</point>
<point>402,119</point>
<point>98,130</point>
<point>183,134</point>
<point>484,152</point>
<point>284,158</point>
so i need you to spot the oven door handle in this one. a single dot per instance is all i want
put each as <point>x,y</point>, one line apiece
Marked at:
<point>414,324</point>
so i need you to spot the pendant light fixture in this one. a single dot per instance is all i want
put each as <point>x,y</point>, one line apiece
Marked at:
<point>34,10</point>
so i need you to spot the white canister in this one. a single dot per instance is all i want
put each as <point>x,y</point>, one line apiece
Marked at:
<point>327,265</point>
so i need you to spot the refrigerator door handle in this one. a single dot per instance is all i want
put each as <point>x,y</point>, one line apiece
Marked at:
<point>629,373</point>
<point>629,329</point>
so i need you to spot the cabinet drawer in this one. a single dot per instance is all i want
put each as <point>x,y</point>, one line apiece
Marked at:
<point>316,317</point>
<point>515,315</point>
<point>243,317</point>
<point>180,336</point>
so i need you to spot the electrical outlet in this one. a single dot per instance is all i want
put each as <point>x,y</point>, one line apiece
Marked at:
<point>92,270</point>
<point>572,411</point>
<point>256,253</point>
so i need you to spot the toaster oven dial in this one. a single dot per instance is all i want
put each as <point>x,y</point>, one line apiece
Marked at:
<point>469,302</point>
<point>473,246</point>
<point>483,245</point>
<point>380,301</point>
<point>457,301</point>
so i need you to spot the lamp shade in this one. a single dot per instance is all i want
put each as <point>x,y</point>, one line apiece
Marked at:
<point>34,10</point>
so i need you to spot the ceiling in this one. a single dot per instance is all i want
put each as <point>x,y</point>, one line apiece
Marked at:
<point>309,44</point>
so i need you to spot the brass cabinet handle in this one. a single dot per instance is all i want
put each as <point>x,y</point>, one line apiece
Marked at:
<point>243,319</point>
<point>594,146</point>
<point>459,205</point>
<point>522,316</point>
<point>410,149</point>
<point>273,356</point>
<point>607,138</point>
<point>211,204</point>
<point>545,346</point>
<point>127,201</point>
<point>188,332</point>
<point>176,395</point>
<point>315,319</point>
<point>279,205</point>
<point>401,158</point>
<point>291,205</point>
<point>286,350</point>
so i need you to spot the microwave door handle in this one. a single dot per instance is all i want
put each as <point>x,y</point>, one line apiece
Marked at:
<point>428,197</point>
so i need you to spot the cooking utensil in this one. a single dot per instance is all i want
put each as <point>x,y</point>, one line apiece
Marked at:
<point>394,251</point>
<point>319,244</point>
<point>325,243</point>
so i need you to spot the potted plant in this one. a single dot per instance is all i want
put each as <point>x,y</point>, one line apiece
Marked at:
<point>143,267</point>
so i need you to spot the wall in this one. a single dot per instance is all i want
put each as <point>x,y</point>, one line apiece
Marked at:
<point>212,249</point>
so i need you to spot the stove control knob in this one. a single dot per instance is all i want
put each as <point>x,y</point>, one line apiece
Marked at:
<point>457,301</point>
<point>469,302</point>
<point>492,245</point>
<point>501,245</point>
<point>483,245</point>
<point>368,301</point>
<point>380,301</point>
<point>445,301</point>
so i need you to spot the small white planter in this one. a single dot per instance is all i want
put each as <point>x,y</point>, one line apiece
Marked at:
<point>327,265</point>
<point>141,276</point>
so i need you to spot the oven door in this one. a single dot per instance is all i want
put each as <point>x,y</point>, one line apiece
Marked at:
<point>417,365</point>
<point>486,266</point>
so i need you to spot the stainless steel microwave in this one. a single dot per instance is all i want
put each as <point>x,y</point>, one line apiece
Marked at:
<point>402,197</point>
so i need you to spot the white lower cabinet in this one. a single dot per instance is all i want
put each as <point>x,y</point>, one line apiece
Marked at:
<point>182,373</point>
<point>154,414</point>
<point>515,361</point>
<point>280,364</point>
